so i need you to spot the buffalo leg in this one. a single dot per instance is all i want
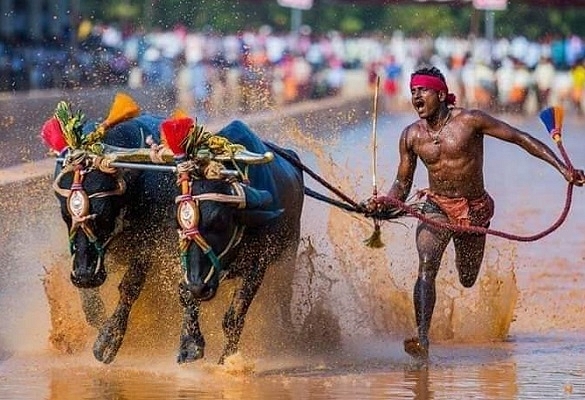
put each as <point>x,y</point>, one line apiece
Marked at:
<point>192,344</point>
<point>234,319</point>
<point>112,332</point>
<point>93,307</point>
<point>285,287</point>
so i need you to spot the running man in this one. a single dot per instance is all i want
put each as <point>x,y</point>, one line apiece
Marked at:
<point>449,141</point>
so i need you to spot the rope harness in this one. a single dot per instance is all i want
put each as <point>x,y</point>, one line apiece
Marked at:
<point>189,215</point>
<point>78,201</point>
<point>404,209</point>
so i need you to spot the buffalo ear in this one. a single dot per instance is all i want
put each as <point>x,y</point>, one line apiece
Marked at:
<point>257,218</point>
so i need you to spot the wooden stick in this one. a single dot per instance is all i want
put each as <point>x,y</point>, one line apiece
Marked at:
<point>375,240</point>
<point>375,137</point>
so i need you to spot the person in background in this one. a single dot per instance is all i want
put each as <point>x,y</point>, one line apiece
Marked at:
<point>544,77</point>
<point>578,84</point>
<point>391,82</point>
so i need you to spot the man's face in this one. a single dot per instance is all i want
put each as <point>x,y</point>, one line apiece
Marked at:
<point>426,102</point>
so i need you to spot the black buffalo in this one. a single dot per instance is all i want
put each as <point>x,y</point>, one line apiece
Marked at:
<point>109,209</point>
<point>234,224</point>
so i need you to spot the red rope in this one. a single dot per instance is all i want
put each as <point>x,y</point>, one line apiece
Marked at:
<point>486,231</point>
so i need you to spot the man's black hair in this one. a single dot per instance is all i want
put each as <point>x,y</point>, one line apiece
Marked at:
<point>430,71</point>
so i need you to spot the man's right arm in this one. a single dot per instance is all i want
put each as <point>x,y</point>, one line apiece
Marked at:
<point>402,184</point>
<point>406,167</point>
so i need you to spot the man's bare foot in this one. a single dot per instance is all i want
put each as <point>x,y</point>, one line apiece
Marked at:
<point>416,349</point>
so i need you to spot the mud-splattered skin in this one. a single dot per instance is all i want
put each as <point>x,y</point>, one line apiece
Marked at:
<point>131,220</point>
<point>271,232</point>
<point>450,143</point>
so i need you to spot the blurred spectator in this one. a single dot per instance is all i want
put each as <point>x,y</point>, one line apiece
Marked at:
<point>520,86</point>
<point>373,70</point>
<point>485,92</point>
<point>286,75</point>
<point>391,81</point>
<point>335,77</point>
<point>158,74</point>
<point>573,50</point>
<point>302,72</point>
<point>255,80</point>
<point>544,76</point>
<point>578,83</point>
<point>200,87</point>
<point>558,53</point>
<point>185,101</point>
<point>504,82</point>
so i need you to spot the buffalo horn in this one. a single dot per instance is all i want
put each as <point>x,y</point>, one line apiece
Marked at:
<point>138,155</point>
<point>143,155</point>
<point>247,157</point>
<point>230,173</point>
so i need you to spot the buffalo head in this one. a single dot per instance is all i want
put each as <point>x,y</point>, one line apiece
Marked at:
<point>215,204</point>
<point>92,207</point>
<point>88,189</point>
<point>212,217</point>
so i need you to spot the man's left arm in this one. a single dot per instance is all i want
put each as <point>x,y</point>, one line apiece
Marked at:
<point>499,129</point>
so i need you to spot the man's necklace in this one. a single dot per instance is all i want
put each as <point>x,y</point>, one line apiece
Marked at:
<point>436,135</point>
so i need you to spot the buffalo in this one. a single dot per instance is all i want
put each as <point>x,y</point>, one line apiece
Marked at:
<point>107,207</point>
<point>238,211</point>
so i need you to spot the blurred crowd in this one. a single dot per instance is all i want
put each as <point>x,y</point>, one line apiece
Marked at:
<point>506,75</point>
<point>200,71</point>
<point>190,69</point>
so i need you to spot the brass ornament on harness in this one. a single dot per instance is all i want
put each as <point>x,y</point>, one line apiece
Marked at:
<point>187,214</point>
<point>77,201</point>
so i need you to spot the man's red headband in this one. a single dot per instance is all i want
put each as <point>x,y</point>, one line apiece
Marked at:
<point>432,82</point>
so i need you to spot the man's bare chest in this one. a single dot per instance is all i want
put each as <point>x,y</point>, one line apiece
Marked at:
<point>450,144</point>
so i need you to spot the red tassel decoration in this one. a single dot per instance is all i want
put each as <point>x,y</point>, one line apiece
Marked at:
<point>53,136</point>
<point>174,134</point>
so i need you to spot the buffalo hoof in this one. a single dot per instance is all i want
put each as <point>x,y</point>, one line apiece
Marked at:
<point>228,352</point>
<point>189,350</point>
<point>93,307</point>
<point>108,343</point>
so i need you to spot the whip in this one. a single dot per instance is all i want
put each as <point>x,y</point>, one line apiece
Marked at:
<point>375,240</point>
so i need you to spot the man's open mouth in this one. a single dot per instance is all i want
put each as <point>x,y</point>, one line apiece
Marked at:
<point>419,104</point>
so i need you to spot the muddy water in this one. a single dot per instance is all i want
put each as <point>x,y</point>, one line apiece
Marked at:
<point>516,334</point>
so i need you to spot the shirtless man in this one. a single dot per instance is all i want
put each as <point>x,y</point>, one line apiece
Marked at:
<point>449,142</point>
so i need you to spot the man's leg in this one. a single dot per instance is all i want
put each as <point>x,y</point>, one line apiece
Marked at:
<point>431,244</point>
<point>469,250</point>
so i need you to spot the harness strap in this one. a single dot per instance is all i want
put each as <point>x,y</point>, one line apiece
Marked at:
<point>81,216</point>
<point>192,233</point>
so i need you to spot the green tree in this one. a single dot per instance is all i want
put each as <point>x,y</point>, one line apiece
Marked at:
<point>349,18</point>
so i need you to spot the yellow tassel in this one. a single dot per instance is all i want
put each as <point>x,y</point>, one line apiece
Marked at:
<point>375,241</point>
<point>123,107</point>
